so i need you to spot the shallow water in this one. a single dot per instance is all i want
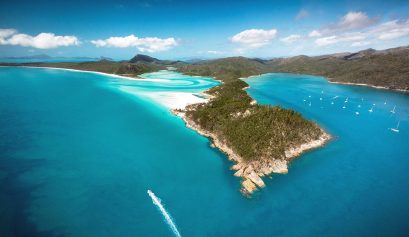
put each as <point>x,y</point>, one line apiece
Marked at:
<point>78,152</point>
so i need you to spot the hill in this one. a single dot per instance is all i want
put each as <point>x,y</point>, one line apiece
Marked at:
<point>382,68</point>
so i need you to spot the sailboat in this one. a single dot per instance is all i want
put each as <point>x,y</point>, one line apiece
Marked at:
<point>309,104</point>
<point>395,129</point>
<point>362,100</point>
<point>393,111</point>
<point>385,102</point>
<point>357,113</point>
<point>371,110</point>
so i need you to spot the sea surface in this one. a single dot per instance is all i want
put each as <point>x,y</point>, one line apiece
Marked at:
<point>83,154</point>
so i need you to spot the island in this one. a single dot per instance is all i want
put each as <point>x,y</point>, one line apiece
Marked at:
<point>260,139</point>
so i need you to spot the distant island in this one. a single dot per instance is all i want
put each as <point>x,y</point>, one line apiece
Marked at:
<point>261,139</point>
<point>46,58</point>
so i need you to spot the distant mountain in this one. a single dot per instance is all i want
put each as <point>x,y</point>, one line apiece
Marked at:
<point>38,56</point>
<point>144,58</point>
<point>105,58</point>
<point>386,68</point>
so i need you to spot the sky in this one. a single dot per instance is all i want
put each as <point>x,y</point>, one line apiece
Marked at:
<point>171,29</point>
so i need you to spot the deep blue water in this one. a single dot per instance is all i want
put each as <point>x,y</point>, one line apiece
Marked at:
<point>78,152</point>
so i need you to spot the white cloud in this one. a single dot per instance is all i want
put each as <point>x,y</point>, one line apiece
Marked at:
<point>40,41</point>
<point>302,14</point>
<point>355,20</point>
<point>367,35</point>
<point>254,38</point>
<point>324,41</point>
<point>4,33</point>
<point>215,52</point>
<point>391,30</point>
<point>148,44</point>
<point>334,39</point>
<point>350,21</point>
<point>290,39</point>
<point>360,43</point>
<point>314,33</point>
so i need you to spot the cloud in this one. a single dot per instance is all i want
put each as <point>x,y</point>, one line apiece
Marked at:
<point>355,20</point>
<point>391,30</point>
<point>314,33</point>
<point>290,39</point>
<point>40,41</point>
<point>358,28</point>
<point>360,43</point>
<point>350,21</point>
<point>4,33</point>
<point>254,38</point>
<point>334,39</point>
<point>148,44</point>
<point>302,14</point>
<point>214,52</point>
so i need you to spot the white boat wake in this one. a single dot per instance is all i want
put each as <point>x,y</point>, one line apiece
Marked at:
<point>165,214</point>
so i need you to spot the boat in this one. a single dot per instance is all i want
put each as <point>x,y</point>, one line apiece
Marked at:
<point>371,110</point>
<point>395,129</point>
<point>393,110</point>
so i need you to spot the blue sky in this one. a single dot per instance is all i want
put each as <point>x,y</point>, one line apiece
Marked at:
<point>199,29</point>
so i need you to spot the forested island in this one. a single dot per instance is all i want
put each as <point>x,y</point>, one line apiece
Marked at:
<point>261,139</point>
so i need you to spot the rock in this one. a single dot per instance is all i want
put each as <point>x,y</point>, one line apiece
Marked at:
<point>239,173</point>
<point>256,179</point>
<point>280,166</point>
<point>237,166</point>
<point>248,186</point>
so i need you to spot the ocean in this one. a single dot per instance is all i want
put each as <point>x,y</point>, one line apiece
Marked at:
<point>85,154</point>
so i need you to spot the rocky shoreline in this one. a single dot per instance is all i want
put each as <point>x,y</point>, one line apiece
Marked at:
<point>252,172</point>
<point>331,80</point>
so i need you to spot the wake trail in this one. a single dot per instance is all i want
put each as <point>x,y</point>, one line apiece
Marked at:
<point>157,202</point>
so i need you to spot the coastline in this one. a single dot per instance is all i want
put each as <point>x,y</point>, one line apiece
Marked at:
<point>251,172</point>
<point>367,85</point>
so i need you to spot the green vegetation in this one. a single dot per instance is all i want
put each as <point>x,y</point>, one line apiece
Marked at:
<point>252,131</point>
<point>387,68</point>
<point>120,68</point>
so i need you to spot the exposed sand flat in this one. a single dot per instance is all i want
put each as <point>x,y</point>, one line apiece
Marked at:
<point>169,99</point>
<point>174,100</point>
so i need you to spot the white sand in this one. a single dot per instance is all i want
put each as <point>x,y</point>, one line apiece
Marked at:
<point>169,99</point>
<point>174,100</point>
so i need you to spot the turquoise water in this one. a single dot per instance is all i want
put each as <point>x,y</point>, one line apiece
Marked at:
<point>79,151</point>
